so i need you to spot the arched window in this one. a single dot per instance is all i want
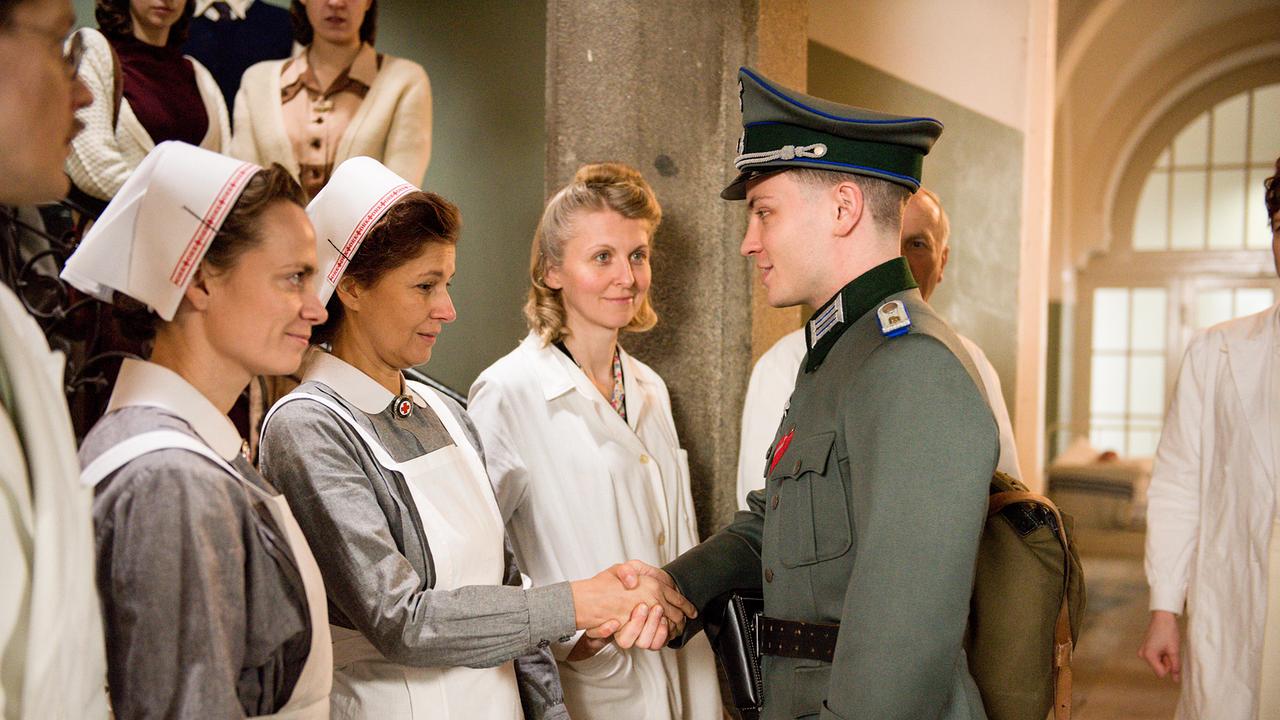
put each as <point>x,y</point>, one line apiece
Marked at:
<point>1203,193</point>
<point>1199,254</point>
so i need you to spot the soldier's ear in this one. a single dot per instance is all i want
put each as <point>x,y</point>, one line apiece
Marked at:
<point>850,207</point>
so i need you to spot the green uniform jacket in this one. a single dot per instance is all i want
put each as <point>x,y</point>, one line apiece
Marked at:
<point>870,518</point>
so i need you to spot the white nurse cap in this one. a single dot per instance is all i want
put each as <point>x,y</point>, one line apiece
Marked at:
<point>356,197</point>
<point>156,230</point>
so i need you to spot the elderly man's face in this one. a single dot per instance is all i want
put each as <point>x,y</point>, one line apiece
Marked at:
<point>38,101</point>
<point>924,244</point>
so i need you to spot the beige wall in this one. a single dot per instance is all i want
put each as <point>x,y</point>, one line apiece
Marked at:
<point>972,52</point>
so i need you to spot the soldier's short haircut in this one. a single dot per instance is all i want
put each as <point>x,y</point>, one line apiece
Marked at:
<point>885,199</point>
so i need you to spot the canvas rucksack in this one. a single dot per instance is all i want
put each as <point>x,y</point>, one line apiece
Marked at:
<point>1027,605</point>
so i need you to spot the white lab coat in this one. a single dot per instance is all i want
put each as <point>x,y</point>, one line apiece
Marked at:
<point>580,490</point>
<point>51,641</point>
<point>1210,510</point>
<point>774,377</point>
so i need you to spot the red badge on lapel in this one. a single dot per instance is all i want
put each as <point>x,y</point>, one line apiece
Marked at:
<point>780,449</point>
<point>404,406</point>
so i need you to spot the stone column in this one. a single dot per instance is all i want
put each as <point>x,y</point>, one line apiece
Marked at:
<point>654,85</point>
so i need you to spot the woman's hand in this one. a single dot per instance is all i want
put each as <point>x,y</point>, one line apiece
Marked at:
<point>1162,646</point>
<point>604,600</point>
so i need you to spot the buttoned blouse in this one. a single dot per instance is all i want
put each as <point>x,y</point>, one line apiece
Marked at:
<point>316,118</point>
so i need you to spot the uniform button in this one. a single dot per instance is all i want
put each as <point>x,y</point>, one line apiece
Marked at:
<point>662,537</point>
<point>796,471</point>
<point>644,459</point>
<point>768,575</point>
<point>315,143</point>
<point>774,503</point>
<point>566,638</point>
<point>544,644</point>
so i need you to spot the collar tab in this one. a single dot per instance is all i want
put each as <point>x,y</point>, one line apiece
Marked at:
<point>863,294</point>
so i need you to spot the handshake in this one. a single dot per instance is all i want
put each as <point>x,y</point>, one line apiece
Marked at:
<point>632,604</point>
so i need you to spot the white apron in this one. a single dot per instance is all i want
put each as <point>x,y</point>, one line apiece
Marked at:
<point>310,697</point>
<point>464,531</point>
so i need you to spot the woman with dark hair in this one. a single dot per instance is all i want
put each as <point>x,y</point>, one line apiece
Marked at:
<point>571,420</point>
<point>212,601</point>
<point>337,98</point>
<point>430,616</point>
<point>145,91</point>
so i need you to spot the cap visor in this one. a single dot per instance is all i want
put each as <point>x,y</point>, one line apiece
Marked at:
<point>737,190</point>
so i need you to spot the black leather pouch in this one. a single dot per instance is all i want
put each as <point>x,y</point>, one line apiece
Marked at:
<point>731,623</point>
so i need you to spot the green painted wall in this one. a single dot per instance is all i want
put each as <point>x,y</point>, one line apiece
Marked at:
<point>486,62</point>
<point>487,66</point>
<point>976,168</point>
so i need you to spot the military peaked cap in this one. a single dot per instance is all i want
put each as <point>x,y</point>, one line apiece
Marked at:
<point>785,129</point>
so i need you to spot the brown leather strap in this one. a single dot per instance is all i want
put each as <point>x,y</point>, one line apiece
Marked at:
<point>1062,665</point>
<point>800,640</point>
<point>1062,644</point>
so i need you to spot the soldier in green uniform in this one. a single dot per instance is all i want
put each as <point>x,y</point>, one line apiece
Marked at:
<point>865,536</point>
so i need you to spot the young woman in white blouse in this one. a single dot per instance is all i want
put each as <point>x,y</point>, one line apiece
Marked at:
<point>581,446</point>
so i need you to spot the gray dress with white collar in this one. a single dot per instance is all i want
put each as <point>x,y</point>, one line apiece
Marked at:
<point>204,608</point>
<point>368,539</point>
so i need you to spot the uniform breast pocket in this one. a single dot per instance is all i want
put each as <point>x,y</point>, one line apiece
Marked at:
<point>812,505</point>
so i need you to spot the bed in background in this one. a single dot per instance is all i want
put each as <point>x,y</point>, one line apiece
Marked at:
<point>1100,489</point>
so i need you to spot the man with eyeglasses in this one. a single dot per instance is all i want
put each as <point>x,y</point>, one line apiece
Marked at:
<point>51,645</point>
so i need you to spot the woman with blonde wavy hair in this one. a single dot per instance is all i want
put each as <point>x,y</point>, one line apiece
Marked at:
<point>580,443</point>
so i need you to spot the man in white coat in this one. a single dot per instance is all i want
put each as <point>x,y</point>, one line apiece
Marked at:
<point>926,235</point>
<point>51,646</point>
<point>1212,545</point>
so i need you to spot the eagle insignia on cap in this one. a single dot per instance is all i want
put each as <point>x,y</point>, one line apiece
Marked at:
<point>893,317</point>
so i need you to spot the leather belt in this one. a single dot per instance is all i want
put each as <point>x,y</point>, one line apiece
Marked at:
<point>800,640</point>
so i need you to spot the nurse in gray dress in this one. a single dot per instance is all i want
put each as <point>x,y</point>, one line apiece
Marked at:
<point>213,604</point>
<point>430,616</point>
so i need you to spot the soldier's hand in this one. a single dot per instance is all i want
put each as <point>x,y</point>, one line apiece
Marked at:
<point>679,608</point>
<point>630,573</point>
<point>648,628</point>
<point>629,634</point>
